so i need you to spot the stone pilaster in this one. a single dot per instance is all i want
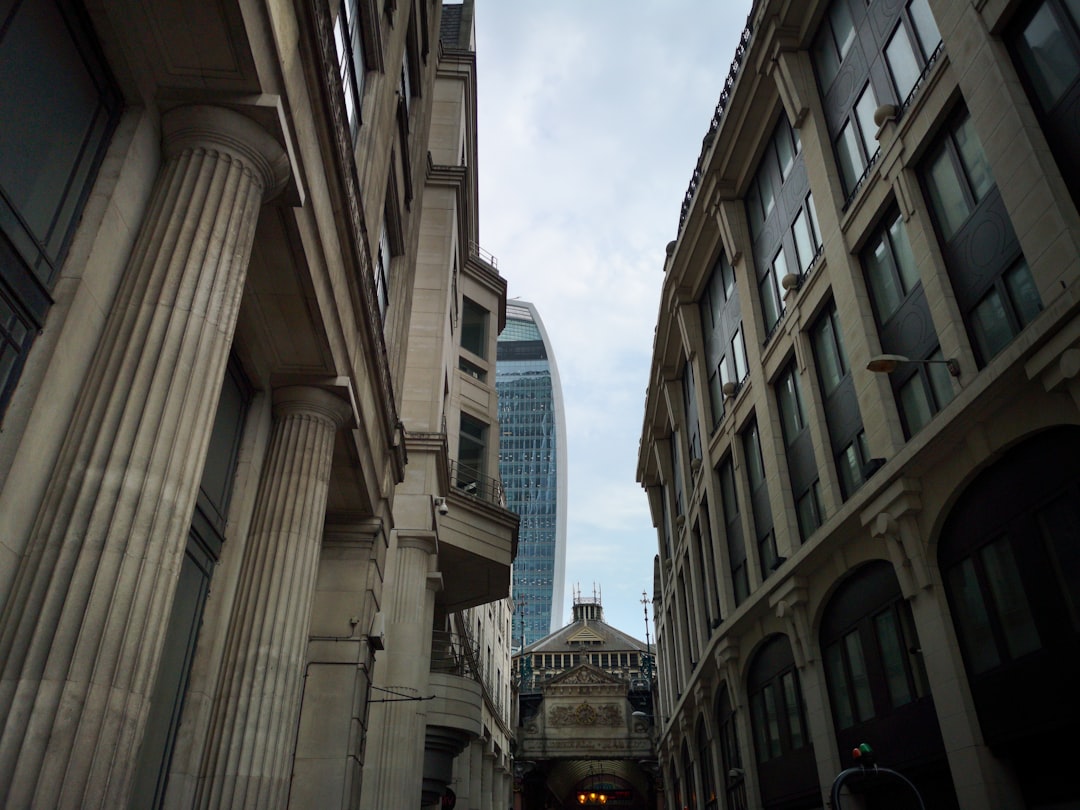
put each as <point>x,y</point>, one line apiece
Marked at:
<point>476,773</point>
<point>393,772</point>
<point>82,631</point>
<point>252,734</point>
<point>487,792</point>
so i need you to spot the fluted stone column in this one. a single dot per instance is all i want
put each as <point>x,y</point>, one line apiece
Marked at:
<point>82,632</point>
<point>254,726</point>
<point>393,770</point>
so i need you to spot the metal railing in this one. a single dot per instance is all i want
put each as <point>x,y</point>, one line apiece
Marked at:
<point>458,654</point>
<point>472,482</point>
<point>718,116</point>
<point>487,258</point>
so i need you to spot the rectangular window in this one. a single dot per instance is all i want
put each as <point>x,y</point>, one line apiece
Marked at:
<point>733,531</point>
<point>382,271</point>
<point>349,42</point>
<point>59,106</point>
<point>474,328</point>
<point>807,243</point>
<point>738,353</point>
<point>771,303</point>
<point>472,449</point>
<point>792,420</point>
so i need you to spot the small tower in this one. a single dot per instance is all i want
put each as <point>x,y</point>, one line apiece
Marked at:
<point>588,609</point>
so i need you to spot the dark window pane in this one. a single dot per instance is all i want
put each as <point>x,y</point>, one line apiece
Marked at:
<point>474,320</point>
<point>830,362</point>
<point>989,321</point>
<point>1060,525</point>
<point>808,511</point>
<point>838,686</point>
<point>972,618</point>
<point>946,194</point>
<point>787,398</point>
<point>893,656</point>
<point>974,160</point>
<point>794,713</point>
<point>941,382</point>
<point>849,468</point>
<point>1010,601</point>
<point>860,681</point>
<point>1048,57</point>
<point>905,261</point>
<point>772,719</point>
<point>1022,292</point>
<point>914,404</point>
<point>848,156</point>
<point>805,246</point>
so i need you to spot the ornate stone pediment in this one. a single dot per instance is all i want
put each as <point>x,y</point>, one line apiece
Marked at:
<point>584,674</point>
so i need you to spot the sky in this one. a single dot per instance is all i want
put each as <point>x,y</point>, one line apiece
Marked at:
<point>591,116</point>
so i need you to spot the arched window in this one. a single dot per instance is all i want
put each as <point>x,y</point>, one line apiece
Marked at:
<point>786,769</point>
<point>1010,559</point>
<point>877,684</point>
<point>705,767</point>
<point>731,765</point>
<point>675,787</point>
<point>688,778</point>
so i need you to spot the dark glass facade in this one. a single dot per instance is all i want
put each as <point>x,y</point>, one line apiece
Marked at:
<point>532,465</point>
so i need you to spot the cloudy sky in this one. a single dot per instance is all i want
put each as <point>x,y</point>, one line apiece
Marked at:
<point>591,119</point>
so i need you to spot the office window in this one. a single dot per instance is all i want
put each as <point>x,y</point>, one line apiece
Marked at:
<point>472,450</point>
<point>873,665</point>
<point>891,273</point>
<point>718,307</point>
<point>709,572</point>
<point>59,107</point>
<point>782,219</point>
<point>899,301</point>
<point>349,41</point>
<point>474,327</point>
<point>693,425</point>
<point>833,42</point>
<point>802,470</point>
<point>882,52</point>
<point>995,291</point>
<point>383,259</point>
<point>1046,45</point>
<point>769,287</point>
<point>740,576</point>
<point>807,235</point>
<point>731,766</point>
<point>776,708</point>
<point>677,473</point>
<point>759,496</point>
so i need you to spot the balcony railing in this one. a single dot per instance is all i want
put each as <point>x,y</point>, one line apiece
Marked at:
<point>472,482</point>
<point>458,654</point>
<point>487,258</point>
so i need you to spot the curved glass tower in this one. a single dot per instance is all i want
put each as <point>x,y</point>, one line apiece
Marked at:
<point>532,465</point>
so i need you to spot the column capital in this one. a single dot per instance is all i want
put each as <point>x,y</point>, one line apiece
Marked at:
<point>208,127</point>
<point>307,399</point>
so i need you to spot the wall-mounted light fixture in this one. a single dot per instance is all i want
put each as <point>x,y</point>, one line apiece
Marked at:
<point>730,389</point>
<point>887,363</point>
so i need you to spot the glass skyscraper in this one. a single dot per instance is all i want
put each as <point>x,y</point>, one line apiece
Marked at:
<point>532,465</point>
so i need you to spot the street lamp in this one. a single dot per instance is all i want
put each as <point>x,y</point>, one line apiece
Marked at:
<point>887,363</point>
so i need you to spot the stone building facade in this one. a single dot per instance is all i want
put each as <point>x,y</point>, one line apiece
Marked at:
<point>234,241</point>
<point>861,433</point>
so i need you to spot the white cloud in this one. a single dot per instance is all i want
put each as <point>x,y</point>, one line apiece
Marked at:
<point>591,120</point>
